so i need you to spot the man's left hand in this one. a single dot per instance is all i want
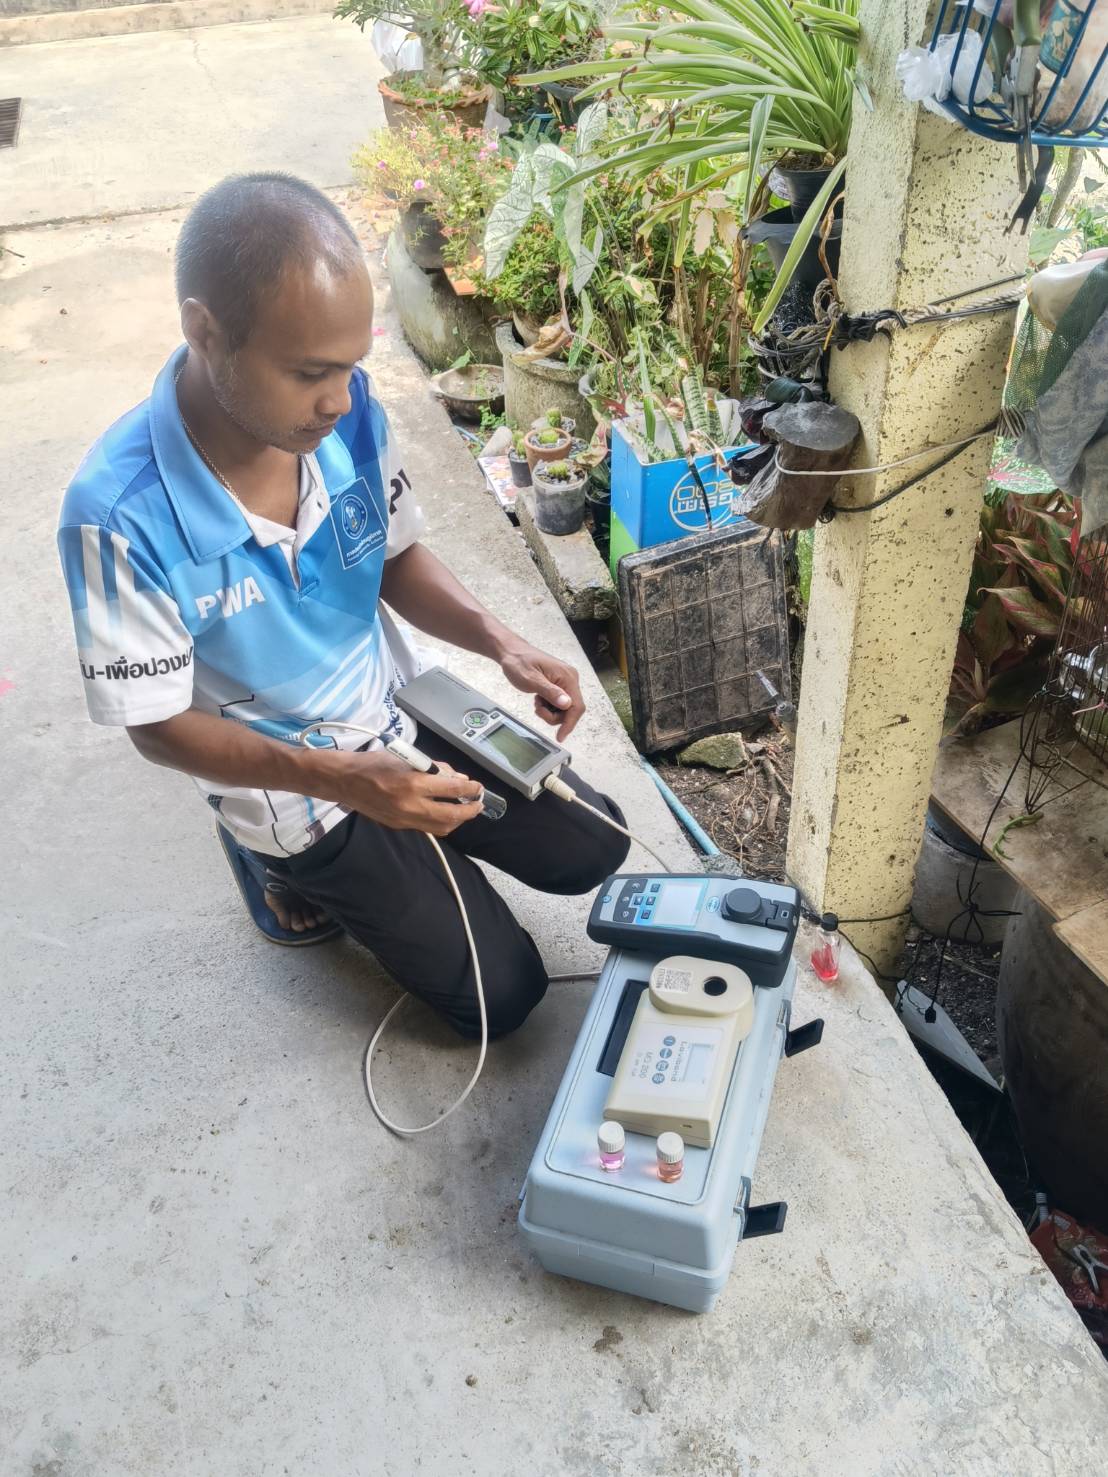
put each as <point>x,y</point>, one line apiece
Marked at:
<point>554,683</point>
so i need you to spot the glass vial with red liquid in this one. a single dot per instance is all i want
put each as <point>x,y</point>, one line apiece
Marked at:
<point>825,955</point>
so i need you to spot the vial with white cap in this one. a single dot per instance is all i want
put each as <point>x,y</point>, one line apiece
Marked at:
<point>671,1157</point>
<point>612,1142</point>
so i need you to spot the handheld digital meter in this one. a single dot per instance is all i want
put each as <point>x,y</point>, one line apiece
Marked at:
<point>712,917</point>
<point>676,1066</point>
<point>512,752</point>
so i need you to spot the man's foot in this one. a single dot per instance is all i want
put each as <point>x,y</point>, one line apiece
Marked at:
<point>291,910</point>
<point>275,907</point>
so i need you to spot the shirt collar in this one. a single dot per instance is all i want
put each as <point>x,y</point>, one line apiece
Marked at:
<point>211,521</point>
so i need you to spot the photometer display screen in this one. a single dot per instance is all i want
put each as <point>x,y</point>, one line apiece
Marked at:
<point>677,905</point>
<point>696,1064</point>
<point>519,750</point>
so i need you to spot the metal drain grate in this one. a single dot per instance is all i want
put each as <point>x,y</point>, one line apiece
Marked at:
<point>10,110</point>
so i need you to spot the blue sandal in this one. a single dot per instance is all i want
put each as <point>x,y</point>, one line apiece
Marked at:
<point>253,883</point>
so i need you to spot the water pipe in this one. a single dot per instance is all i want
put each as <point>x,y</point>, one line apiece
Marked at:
<point>690,823</point>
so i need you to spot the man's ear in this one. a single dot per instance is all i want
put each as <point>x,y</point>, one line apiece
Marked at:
<point>201,330</point>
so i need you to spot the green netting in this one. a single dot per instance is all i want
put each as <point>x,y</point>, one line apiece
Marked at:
<point>1039,356</point>
<point>1075,325</point>
<point>1025,367</point>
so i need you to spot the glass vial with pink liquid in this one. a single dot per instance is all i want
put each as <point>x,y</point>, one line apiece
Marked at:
<point>612,1143</point>
<point>825,955</point>
<point>671,1157</point>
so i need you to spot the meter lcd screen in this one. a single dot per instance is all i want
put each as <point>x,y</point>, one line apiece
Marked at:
<point>518,749</point>
<point>696,1064</point>
<point>677,905</point>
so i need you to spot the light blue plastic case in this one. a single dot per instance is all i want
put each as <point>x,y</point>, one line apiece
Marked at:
<point>628,1230</point>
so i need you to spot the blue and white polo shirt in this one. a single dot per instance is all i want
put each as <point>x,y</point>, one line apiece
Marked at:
<point>182,599</point>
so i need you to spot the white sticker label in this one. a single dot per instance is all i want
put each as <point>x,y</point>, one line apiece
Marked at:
<point>673,981</point>
<point>674,1061</point>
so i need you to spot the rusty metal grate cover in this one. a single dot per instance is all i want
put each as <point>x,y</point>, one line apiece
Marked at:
<point>701,617</point>
<point>10,110</point>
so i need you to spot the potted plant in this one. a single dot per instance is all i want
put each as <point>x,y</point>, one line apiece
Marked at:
<point>444,29</point>
<point>526,287</point>
<point>555,420</point>
<point>669,463</point>
<point>559,496</point>
<point>550,445</point>
<point>442,179</point>
<point>760,81</point>
<point>517,460</point>
<point>515,38</point>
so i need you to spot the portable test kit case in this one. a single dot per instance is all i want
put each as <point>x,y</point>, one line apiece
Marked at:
<point>628,1230</point>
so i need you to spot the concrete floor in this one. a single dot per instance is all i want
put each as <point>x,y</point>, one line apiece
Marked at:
<point>215,1261</point>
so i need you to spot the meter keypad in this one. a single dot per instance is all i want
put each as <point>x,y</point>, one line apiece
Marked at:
<point>632,897</point>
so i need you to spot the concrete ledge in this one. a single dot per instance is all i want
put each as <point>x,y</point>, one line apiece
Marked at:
<point>158,15</point>
<point>571,566</point>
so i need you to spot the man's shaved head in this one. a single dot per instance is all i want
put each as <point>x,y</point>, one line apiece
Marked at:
<point>276,307</point>
<point>244,234</point>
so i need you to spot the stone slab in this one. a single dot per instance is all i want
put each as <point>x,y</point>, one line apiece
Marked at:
<point>1062,860</point>
<point>1086,933</point>
<point>571,565</point>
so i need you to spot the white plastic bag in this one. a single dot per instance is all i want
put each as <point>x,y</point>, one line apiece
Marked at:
<point>925,77</point>
<point>399,50</point>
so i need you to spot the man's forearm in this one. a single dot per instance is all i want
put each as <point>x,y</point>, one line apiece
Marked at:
<point>420,588</point>
<point>228,753</point>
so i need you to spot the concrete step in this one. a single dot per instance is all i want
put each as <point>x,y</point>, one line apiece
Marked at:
<point>37,21</point>
<point>570,564</point>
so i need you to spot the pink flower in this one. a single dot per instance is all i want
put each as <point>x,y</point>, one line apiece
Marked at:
<point>476,8</point>
<point>381,164</point>
<point>419,184</point>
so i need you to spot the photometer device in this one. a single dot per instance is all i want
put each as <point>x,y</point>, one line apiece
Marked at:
<point>690,913</point>
<point>642,1179</point>
<point>509,750</point>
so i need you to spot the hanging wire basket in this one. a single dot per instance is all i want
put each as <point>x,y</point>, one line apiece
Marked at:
<point>1052,94</point>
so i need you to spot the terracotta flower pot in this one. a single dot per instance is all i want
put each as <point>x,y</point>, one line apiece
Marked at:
<point>557,451</point>
<point>468,104</point>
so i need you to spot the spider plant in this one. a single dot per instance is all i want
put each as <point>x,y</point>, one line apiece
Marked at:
<point>723,85</point>
<point>703,68</point>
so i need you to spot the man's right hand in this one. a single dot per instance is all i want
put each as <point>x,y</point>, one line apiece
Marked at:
<point>384,789</point>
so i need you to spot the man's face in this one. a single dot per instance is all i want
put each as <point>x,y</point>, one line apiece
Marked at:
<point>290,382</point>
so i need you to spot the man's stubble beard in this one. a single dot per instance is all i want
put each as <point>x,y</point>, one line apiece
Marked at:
<point>226,389</point>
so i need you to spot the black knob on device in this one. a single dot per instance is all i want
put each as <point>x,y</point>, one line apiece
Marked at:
<point>742,905</point>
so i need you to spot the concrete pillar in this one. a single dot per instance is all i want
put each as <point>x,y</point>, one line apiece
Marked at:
<point>927,206</point>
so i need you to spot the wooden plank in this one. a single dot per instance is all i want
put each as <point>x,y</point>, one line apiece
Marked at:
<point>1086,933</point>
<point>1062,860</point>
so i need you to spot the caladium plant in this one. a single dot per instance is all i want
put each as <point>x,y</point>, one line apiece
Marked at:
<point>1025,552</point>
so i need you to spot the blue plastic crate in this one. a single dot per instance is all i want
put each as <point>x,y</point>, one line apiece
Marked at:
<point>661,502</point>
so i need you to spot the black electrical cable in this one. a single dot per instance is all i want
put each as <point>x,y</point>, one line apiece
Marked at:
<point>834,508</point>
<point>889,979</point>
